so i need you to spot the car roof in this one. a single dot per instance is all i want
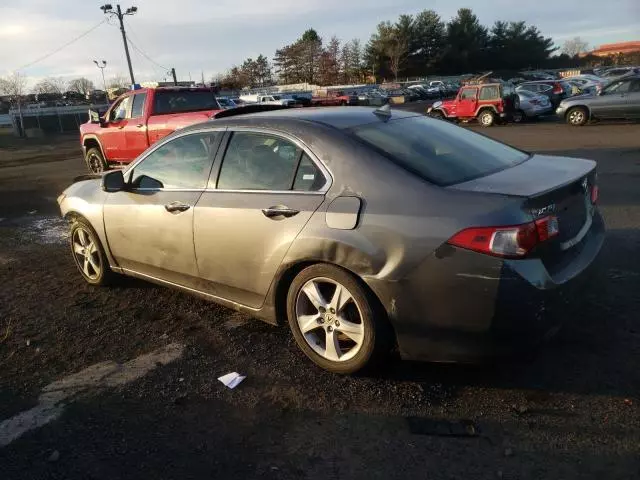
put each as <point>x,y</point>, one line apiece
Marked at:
<point>337,117</point>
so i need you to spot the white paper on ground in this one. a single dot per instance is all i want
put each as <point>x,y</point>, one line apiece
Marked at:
<point>232,380</point>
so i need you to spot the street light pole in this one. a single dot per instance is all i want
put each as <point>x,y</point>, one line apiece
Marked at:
<point>102,67</point>
<point>108,9</point>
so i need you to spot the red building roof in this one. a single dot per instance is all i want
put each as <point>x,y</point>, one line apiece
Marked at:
<point>616,48</point>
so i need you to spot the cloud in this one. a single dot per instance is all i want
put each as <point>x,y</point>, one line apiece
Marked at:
<point>201,35</point>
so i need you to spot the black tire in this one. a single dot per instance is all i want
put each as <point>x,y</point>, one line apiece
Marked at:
<point>105,275</point>
<point>95,161</point>
<point>437,114</point>
<point>577,116</point>
<point>519,117</point>
<point>487,118</point>
<point>343,103</point>
<point>377,334</point>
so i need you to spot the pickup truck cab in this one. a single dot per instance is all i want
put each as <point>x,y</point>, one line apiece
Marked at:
<point>138,119</point>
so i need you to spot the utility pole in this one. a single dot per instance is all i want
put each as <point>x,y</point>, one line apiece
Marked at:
<point>108,9</point>
<point>102,67</point>
<point>173,74</point>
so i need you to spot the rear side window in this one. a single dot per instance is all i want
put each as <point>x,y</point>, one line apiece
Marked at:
<point>438,151</point>
<point>137,108</point>
<point>177,101</point>
<point>258,161</point>
<point>489,93</point>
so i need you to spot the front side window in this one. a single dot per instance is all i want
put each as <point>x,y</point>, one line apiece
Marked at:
<point>468,94</point>
<point>182,163</point>
<point>137,109</point>
<point>438,151</point>
<point>119,112</point>
<point>619,87</point>
<point>257,161</point>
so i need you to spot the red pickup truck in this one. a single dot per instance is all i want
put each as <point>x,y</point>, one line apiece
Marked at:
<point>140,118</point>
<point>334,98</point>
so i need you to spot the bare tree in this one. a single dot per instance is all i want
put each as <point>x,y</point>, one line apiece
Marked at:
<point>54,85</point>
<point>118,81</point>
<point>15,87</point>
<point>82,85</point>
<point>575,46</point>
<point>396,49</point>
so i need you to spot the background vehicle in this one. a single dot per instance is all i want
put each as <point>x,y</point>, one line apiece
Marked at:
<point>226,103</point>
<point>555,90</point>
<point>267,100</point>
<point>619,99</point>
<point>613,73</point>
<point>257,220</point>
<point>333,98</point>
<point>488,103</point>
<point>590,84</point>
<point>140,118</point>
<point>532,105</point>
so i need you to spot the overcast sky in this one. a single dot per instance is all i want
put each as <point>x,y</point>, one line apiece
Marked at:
<point>212,35</point>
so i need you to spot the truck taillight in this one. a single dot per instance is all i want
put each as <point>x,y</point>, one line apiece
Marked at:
<point>595,193</point>
<point>511,242</point>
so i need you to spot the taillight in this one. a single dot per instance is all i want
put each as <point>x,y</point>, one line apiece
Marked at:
<point>595,193</point>
<point>557,88</point>
<point>513,241</point>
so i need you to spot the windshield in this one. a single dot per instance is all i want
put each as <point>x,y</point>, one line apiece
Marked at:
<point>438,151</point>
<point>184,101</point>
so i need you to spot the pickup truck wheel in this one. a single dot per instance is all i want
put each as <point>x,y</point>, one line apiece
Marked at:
<point>95,161</point>
<point>487,118</point>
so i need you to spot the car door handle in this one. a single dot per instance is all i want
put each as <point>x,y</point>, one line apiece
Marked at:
<point>279,211</point>
<point>140,125</point>
<point>177,207</point>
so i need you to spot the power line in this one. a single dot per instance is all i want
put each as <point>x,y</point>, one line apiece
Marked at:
<point>139,50</point>
<point>44,57</point>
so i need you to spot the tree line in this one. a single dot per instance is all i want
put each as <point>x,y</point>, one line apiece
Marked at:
<point>413,45</point>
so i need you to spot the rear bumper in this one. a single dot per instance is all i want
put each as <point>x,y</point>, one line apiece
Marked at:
<point>462,306</point>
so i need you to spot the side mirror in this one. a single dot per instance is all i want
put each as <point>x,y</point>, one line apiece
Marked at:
<point>113,181</point>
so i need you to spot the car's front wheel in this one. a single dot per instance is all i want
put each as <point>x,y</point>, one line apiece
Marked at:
<point>437,114</point>
<point>89,255</point>
<point>335,321</point>
<point>519,116</point>
<point>577,116</point>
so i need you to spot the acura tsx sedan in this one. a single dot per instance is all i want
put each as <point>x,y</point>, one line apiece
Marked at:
<point>366,230</point>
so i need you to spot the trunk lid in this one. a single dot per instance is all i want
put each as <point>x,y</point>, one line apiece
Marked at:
<point>549,185</point>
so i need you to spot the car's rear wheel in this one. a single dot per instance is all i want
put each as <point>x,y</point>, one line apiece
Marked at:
<point>577,116</point>
<point>487,118</point>
<point>335,321</point>
<point>95,160</point>
<point>89,255</point>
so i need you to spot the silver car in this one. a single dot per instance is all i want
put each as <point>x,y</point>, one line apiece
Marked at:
<point>363,229</point>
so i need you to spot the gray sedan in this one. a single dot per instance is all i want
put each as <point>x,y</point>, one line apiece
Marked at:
<point>620,99</point>
<point>364,230</point>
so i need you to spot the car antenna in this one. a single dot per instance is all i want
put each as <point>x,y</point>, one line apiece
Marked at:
<point>384,112</point>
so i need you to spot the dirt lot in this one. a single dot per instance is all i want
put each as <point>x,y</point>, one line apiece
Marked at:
<point>569,411</point>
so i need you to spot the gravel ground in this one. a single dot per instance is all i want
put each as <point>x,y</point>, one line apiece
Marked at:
<point>569,411</point>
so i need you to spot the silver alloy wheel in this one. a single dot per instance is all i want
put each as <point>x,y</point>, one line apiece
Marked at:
<point>96,165</point>
<point>486,119</point>
<point>332,328</point>
<point>576,117</point>
<point>86,254</point>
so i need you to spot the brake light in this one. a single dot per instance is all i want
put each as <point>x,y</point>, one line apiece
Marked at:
<point>557,88</point>
<point>595,193</point>
<point>511,242</point>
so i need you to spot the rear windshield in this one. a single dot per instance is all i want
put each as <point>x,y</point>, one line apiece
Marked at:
<point>438,151</point>
<point>184,101</point>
